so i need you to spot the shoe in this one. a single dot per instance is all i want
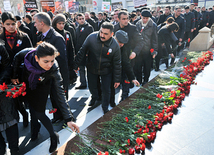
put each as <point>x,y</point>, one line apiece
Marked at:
<point>157,70</point>
<point>25,120</point>
<point>35,131</point>
<point>72,81</point>
<point>81,87</point>
<point>143,83</point>
<point>105,111</point>
<point>56,120</point>
<point>112,104</point>
<point>91,103</point>
<point>54,142</point>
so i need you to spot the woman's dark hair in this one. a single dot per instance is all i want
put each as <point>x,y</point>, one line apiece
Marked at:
<point>173,27</point>
<point>170,20</point>
<point>46,49</point>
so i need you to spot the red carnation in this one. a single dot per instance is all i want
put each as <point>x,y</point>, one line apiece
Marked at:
<point>151,50</point>
<point>131,151</point>
<point>52,111</point>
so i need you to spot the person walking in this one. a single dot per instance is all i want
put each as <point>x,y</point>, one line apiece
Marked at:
<point>41,74</point>
<point>82,32</point>
<point>104,59</point>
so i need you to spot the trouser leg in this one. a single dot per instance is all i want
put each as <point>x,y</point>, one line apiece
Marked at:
<point>106,89</point>
<point>12,134</point>
<point>82,75</point>
<point>92,85</point>
<point>2,145</point>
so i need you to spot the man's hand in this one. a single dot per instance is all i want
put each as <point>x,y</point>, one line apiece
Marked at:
<point>132,56</point>
<point>180,39</point>
<point>15,81</point>
<point>192,30</point>
<point>207,24</point>
<point>136,83</point>
<point>73,126</point>
<point>154,56</point>
<point>195,28</point>
<point>179,44</point>
<point>77,70</point>
<point>172,55</point>
<point>116,84</point>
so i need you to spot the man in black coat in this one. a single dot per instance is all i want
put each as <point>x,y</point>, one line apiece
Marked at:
<point>22,27</point>
<point>190,24</point>
<point>148,30</point>
<point>180,33</point>
<point>165,16</point>
<point>192,9</point>
<point>205,18</point>
<point>82,32</point>
<point>134,45</point>
<point>42,23</point>
<point>122,38</point>
<point>89,19</point>
<point>93,15</point>
<point>99,22</point>
<point>33,29</point>
<point>211,17</point>
<point>104,60</point>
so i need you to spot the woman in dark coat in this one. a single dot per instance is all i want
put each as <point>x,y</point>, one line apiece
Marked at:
<point>14,41</point>
<point>8,113</point>
<point>58,24</point>
<point>164,42</point>
<point>40,70</point>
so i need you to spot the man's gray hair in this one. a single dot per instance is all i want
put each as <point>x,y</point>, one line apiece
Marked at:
<point>43,17</point>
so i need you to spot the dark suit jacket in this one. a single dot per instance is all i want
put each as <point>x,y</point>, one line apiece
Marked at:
<point>98,26</point>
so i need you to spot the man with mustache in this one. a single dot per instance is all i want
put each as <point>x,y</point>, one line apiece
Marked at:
<point>104,60</point>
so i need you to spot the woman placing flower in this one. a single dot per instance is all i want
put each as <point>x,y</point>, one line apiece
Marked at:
<point>40,70</point>
<point>8,113</point>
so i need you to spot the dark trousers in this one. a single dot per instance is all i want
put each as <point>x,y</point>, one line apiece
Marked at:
<point>82,76</point>
<point>12,135</point>
<point>125,89</point>
<point>35,116</point>
<point>162,53</point>
<point>144,60</point>
<point>188,35</point>
<point>105,87</point>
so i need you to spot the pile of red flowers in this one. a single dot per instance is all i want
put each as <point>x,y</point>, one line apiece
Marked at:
<point>14,91</point>
<point>148,132</point>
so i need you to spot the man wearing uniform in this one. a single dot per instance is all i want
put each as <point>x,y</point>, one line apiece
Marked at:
<point>165,16</point>
<point>192,9</point>
<point>205,18</point>
<point>190,24</point>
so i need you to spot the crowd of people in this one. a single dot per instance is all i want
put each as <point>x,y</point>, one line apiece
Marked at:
<point>108,50</point>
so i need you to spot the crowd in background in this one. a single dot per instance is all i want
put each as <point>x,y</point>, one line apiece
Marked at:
<point>107,50</point>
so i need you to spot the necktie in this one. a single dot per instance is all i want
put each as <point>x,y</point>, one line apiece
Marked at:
<point>42,38</point>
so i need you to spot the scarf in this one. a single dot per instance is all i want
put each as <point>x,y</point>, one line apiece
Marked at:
<point>11,37</point>
<point>34,68</point>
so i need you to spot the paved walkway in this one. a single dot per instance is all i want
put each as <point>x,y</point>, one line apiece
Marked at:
<point>192,129</point>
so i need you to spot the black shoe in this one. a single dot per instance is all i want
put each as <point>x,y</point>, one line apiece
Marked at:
<point>157,70</point>
<point>81,87</point>
<point>112,104</point>
<point>72,81</point>
<point>144,83</point>
<point>105,111</point>
<point>54,142</point>
<point>91,103</point>
<point>56,120</point>
<point>35,131</point>
<point>25,120</point>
